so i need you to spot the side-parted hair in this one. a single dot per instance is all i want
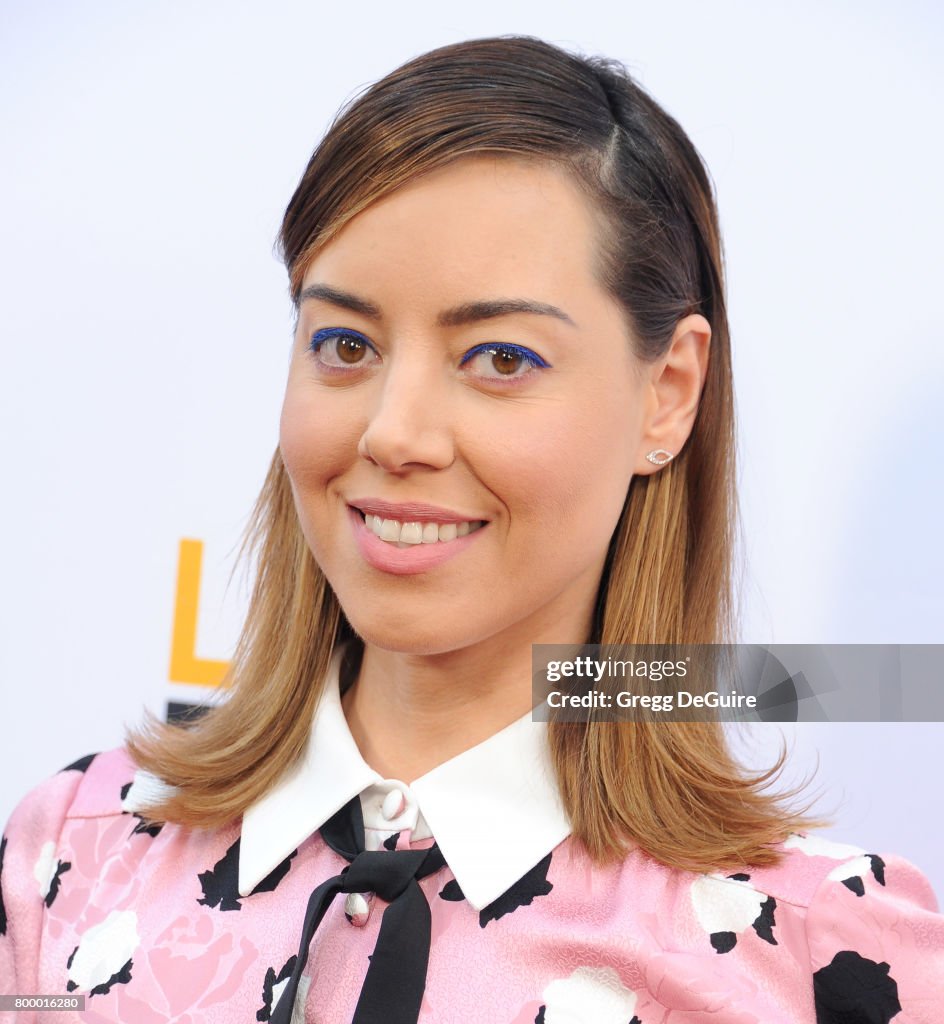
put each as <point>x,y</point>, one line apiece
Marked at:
<point>674,789</point>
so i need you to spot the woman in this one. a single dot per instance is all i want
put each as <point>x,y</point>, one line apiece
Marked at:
<point>508,421</point>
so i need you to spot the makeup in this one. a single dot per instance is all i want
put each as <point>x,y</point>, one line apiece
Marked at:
<point>406,561</point>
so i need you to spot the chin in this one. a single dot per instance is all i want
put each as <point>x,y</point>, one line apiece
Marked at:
<point>410,639</point>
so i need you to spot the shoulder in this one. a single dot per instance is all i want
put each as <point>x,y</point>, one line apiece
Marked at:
<point>804,863</point>
<point>869,923</point>
<point>809,862</point>
<point>55,849</point>
<point>812,867</point>
<point>813,873</point>
<point>876,940</point>
<point>72,814</point>
<point>95,786</point>
<point>32,860</point>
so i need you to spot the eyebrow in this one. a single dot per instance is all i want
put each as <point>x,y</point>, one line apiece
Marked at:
<point>466,313</point>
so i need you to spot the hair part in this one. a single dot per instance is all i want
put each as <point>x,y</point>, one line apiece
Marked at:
<point>673,789</point>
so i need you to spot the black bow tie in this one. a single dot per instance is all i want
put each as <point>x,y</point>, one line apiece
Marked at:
<point>396,978</point>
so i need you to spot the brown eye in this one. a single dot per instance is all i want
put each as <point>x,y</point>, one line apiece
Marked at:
<point>495,361</point>
<point>350,349</point>
<point>336,348</point>
<point>506,361</point>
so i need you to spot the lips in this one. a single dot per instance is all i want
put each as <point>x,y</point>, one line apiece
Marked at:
<point>407,523</point>
<point>412,511</point>
<point>412,557</point>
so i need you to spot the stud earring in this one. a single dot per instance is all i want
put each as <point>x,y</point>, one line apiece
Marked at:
<point>660,457</point>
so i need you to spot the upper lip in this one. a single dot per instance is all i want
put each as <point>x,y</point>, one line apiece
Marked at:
<point>411,511</point>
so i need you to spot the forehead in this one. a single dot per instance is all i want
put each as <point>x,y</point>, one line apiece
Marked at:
<point>480,222</point>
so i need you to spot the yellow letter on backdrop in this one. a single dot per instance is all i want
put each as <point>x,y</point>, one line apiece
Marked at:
<point>185,666</point>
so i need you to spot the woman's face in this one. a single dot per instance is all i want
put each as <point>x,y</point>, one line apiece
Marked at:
<point>423,394</point>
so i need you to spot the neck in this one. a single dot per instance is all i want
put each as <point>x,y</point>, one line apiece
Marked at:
<point>410,712</point>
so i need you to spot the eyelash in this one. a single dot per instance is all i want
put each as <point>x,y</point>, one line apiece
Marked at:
<point>532,359</point>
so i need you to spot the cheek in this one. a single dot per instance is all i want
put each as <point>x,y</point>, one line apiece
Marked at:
<point>316,436</point>
<point>566,471</point>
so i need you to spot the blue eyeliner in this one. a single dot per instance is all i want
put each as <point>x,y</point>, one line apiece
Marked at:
<point>320,337</point>
<point>532,358</point>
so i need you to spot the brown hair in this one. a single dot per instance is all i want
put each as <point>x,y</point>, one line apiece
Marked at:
<point>672,788</point>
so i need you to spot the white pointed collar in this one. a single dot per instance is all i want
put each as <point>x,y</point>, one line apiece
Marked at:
<point>494,809</point>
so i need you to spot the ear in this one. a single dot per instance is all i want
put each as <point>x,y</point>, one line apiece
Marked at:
<point>674,389</point>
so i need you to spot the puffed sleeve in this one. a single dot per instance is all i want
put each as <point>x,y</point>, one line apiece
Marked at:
<point>31,863</point>
<point>876,944</point>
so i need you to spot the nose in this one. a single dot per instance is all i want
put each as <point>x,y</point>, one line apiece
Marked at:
<point>409,425</point>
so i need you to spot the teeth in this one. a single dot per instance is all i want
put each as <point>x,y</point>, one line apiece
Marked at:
<point>389,530</point>
<point>410,533</point>
<point>406,534</point>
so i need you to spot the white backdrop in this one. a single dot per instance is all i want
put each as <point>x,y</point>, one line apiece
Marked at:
<point>148,153</point>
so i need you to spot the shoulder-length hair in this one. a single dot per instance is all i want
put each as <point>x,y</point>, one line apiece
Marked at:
<point>674,789</point>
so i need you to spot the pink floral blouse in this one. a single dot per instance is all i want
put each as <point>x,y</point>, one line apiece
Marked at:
<point>160,924</point>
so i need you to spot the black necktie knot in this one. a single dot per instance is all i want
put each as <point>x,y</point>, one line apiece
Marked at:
<point>389,872</point>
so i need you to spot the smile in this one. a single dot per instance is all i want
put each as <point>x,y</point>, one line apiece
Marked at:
<point>419,555</point>
<point>404,534</point>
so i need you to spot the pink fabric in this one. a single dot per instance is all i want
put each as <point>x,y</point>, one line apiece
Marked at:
<point>154,926</point>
